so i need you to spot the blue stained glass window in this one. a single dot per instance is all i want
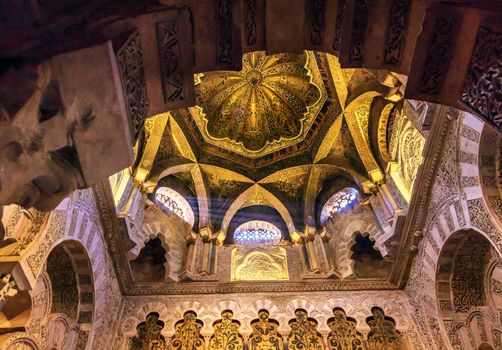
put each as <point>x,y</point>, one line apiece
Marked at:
<point>340,201</point>
<point>257,232</point>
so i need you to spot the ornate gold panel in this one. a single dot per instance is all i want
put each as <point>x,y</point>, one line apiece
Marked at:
<point>304,334</point>
<point>265,335</point>
<point>259,264</point>
<point>383,334</point>
<point>187,333</point>
<point>343,335</point>
<point>149,337</point>
<point>226,333</point>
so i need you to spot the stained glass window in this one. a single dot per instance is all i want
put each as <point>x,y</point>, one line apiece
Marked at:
<point>339,202</point>
<point>257,232</point>
<point>176,203</point>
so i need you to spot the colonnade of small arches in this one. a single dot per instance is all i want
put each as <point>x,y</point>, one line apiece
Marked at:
<point>267,333</point>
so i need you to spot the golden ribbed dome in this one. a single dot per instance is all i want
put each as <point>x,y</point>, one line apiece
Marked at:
<point>266,103</point>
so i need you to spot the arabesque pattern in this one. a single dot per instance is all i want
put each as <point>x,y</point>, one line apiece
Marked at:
<point>267,102</point>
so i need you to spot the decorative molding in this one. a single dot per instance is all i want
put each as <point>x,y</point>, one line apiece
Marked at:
<point>419,205</point>
<point>317,21</point>
<point>130,59</point>
<point>224,31</point>
<point>338,26</point>
<point>168,37</point>
<point>484,77</point>
<point>438,56</point>
<point>395,37</point>
<point>250,25</point>
<point>359,26</point>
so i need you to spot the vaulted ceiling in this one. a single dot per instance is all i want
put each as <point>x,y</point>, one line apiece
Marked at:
<point>275,134</point>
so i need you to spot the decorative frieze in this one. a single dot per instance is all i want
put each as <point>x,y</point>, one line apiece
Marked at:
<point>440,49</point>
<point>481,91</point>
<point>395,38</point>
<point>130,59</point>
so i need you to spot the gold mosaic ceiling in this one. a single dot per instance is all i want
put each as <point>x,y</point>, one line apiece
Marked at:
<point>280,112</point>
<point>267,106</point>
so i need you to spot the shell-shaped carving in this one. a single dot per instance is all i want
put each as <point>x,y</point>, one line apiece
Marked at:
<point>264,103</point>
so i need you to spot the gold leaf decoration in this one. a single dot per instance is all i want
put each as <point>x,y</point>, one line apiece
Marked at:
<point>263,264</point>
<point>269,101</point>
<point>226,333</point>
<point>187,333</point>
<point>265,335</point>
<point>304,334</point>
<point>149,337</point>
<point>343,335</point>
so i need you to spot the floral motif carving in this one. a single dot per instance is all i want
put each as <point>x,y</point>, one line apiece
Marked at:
<point>149,337</point>
<point>170,56</point>
<point>338,26</point>
<point>318,21</point>
<point>360,22</point>
<point>459,212</point>
<point>130,59</point>
<point>54,232</point>
<point>435,68</point>
<point>304,334</point>
<point>63,281</point>
<point>265,335</point>
<point>264,264</point>
<point>467,281</point>
<point>496,286</point>
<point>383,334</point>
<point>470,133</point>
<point>38,221</point>
<point>469,181</point>
<point>343,335</point>
<point>465,157</point>
<point>224,30</point>
<point>226,333</point>
<point>484,77</point>
<point>396,31</point>
<point>250,22</point>
<point>187,333</point>
<point>482,220</point>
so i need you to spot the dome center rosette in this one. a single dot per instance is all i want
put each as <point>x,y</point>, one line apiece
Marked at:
<point>269,105</point>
